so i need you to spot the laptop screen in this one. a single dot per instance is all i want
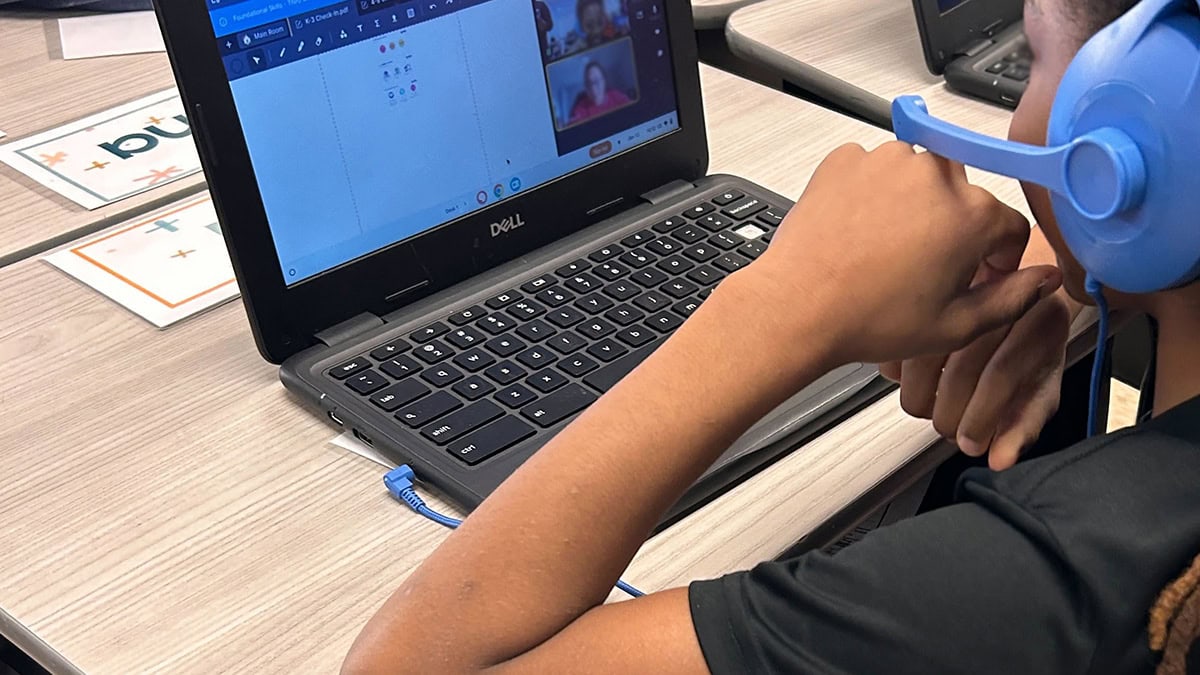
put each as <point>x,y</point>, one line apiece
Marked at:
<point>372,121</point>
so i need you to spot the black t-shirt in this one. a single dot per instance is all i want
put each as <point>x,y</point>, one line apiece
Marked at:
<point>1049,567</point>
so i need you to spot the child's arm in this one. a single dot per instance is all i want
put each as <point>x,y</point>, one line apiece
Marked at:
<point>874,263</point>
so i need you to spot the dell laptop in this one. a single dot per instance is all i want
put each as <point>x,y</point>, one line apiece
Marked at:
<point>457,223</point>
<point>979,45</point>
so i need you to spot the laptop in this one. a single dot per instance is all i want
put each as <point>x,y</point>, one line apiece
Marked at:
<point>979,45</point>
<point>457,223</point>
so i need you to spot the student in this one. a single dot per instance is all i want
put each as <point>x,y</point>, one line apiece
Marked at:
<point>1049,567</point>
<point>596,98</point>
<point>594,21</point>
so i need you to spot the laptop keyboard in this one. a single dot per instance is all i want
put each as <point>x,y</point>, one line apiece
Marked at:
<point>483,379</point>
<point>1014,65</point>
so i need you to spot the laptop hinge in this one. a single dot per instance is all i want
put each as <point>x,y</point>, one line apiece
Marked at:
<point>668,192</point>
<point>975,48</point>
<point>349,329</point>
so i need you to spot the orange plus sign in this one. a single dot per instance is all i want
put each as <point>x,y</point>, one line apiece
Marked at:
<point>182,253</point>
<point>155,120</point>
<point>155,175</point>
<point>56,158</point>
<point>96,165</point>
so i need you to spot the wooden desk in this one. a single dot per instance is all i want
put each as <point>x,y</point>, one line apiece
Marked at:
<point>168,507</point>
<point>39,90</point>
<point>712,14</point>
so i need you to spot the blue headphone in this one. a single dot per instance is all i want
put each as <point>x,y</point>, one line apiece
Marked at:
<point>1121,158</point>
<point>1122,161</point>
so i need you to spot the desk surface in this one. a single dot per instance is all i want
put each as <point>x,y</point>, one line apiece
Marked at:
<point>872,52</point>
<point>712,14</point>
<point>38,91</point>
<point>168,507</point>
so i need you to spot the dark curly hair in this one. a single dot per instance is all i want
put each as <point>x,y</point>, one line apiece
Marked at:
<point>1092,15</point>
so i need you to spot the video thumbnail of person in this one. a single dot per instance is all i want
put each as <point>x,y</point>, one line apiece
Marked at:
<point>593,83</point>
<point>567,27</point>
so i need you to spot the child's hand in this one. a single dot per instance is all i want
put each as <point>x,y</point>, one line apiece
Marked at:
<point>882,249</point>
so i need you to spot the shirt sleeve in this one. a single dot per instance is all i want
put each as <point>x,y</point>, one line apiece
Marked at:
<point>968,588</point>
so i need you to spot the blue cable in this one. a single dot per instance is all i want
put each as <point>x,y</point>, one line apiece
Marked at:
<point>399,482</point>
<point>1095,290</point>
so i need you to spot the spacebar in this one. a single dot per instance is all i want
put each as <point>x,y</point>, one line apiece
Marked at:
<point>608,376</point>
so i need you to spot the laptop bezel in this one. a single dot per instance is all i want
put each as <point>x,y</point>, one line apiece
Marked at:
<point>285,320</point>
<point>945,36</point>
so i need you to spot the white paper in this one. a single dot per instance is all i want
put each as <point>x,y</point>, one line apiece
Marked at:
<point>2,134</point>
<point>112,155</point>
<point>164,267</point>
<point>347,441</point>
<point>85,37</point>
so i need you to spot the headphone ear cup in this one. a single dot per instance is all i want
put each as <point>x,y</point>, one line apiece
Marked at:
<point>1139,75</point>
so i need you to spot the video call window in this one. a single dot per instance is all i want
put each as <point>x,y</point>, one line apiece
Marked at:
<point>567,27</point>
<point>592,83</point>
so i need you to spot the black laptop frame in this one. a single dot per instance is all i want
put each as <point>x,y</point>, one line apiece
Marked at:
<point>284,319</point>
<point>945,36</point>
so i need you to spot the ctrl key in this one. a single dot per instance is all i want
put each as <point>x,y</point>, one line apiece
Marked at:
<point>496,437</point>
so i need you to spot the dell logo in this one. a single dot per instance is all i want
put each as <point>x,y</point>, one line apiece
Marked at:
<point>507,225</point>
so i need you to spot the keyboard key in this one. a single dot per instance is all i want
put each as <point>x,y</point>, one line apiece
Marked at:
<point>535,285</point>
<point>559,406</point>
<point>474,360</point>
<point>390,350</point>
<point>546,380</point>
<point>435,329</point>
<point>725,241</point>
<point>691,234</point>
<point>686,308</point>
<point>607,349</point>
<point>636,336</point>
<point>496,323</point>
<point>602,380</point>
<point>401,366</point>
<point>555,297</point>
<point>505,372</point>
<point>728,197</point>
<point>701,209</point>
<point>573,268</point>
<point>442,376</point>
<point>637,259</point>
<point>595,328</point>
<point>433,352</point>
<point>465,338</point>
<point>594,303</point>
<point>665,321</point>
<point>464,421</point>
<point>536,357</point>
<point>565,343</point>
<point>526,309</point>
<point>349,368</point>
<point>702,252</point>
<point>752,249</point>
<point>611,271</point>
<point>664,246</point>
<point>652,301</point>
<point>536,330</point>
<point>668,225</point>
<point>750,232</point>
<point>705,293</point>
<point>773,216</point>
<point>621,290</point>
<point>1017,72</point>
<point>577,366</point>
<point>428,409</point>
<point>638,238</point>
<point>714,223</point>
<point>367,382</point>
<point>679,288</point>
<point>515,396</point>
<point>494,438</point>
<point>744,208</point>
<point>676,264</point>
<point>474,387</point>
<point>467,315</point>
<point>565,317</point>
<point>504,346</point>
<point>401,393</point>
<point>606,253</point>
<point>624,315</point>
<point>649,277</point>
<point>997,67</point>
<point>503,300</point>
<point>731,263</point>
<point>583,283</point>
<point>705,275</point>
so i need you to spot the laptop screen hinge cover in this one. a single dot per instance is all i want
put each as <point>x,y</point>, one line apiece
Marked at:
<point>975,48</point>
<point>349,329</point>
<point>668,192</point>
